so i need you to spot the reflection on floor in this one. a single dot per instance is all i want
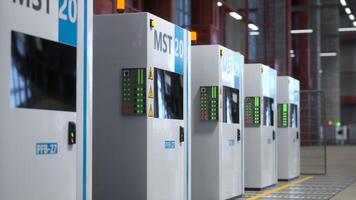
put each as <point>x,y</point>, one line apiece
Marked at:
<point>316,188</point>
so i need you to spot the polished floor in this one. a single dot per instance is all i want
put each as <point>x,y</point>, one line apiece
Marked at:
<point>338,184</point>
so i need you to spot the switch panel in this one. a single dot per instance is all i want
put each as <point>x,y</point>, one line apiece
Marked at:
<point>252,111</point>
<point>282,115</point>
<point>72,136</point>
<point>209,103</point>
<point>134,91</point>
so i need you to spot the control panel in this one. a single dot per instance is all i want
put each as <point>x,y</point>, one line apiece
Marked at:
<point>209,103</point>
<point>134,91</point>
<point>252,111</point>
<point>282,115</point>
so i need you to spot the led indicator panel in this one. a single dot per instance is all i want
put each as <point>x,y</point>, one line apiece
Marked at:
<point>209,103</point>
<point>282,115</point>
<point>252,111</point>
<point>134,91</point>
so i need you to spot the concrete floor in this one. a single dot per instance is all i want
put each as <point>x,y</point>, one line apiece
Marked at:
<point>342,162</point>
<point>338,184</point>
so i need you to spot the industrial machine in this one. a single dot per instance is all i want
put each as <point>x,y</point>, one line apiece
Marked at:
<point>42,76</point>
<point>141,132</point>
<point>288,131</point>
<point>217,136</point>
<point>260,127</point>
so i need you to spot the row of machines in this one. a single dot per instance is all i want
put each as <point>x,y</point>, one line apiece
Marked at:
<point>153,119</point>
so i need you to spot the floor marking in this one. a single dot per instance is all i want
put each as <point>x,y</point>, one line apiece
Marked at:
<point>282,187</point>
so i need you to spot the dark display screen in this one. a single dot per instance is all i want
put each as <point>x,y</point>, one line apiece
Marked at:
<point>43,74</point>
<point>231,105</point>
<point>268,114</point>
<point>293,116</point>
<point>168,97</point>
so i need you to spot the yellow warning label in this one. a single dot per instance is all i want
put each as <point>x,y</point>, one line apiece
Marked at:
<point>150,74</point>
<point>150,92</point>
<point>150,111</point>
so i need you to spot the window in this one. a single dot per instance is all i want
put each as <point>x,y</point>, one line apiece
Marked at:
<point>43,74</point>
<point>231,105</point>
<point>168,94</point>
<point>268,115</point>
<point>183,12</point>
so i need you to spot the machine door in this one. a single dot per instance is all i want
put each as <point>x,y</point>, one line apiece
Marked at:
<point>230,144</point>
<point>38,115</point>
<point>295,155</point>
<point>166,137</point>
<point>269,141</point>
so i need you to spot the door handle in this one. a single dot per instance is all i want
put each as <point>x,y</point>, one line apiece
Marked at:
<point>274,135</point>
<point>181,134</point>
<point>238,135</point>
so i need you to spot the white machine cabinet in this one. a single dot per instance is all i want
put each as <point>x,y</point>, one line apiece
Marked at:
<point>217,136</point>
<point>288,131</point>
<point>43,62</point>
<point>260,126</point>
<point>141,129</point>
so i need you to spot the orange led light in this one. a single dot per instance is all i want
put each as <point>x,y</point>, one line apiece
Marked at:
<point>194,36</point>
<point>120,5</point>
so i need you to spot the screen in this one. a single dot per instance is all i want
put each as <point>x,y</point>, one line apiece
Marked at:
<point>294,116</point>
<point>43,74</point>
<point>268,118</point>
<point>231,105</point>
<point>168,95</point>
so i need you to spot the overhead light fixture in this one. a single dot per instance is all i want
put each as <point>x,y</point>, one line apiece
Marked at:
<point>235,15</point>
<point>219,4</point>
<point>354,23</point>
<point>343,2</point>
<point>348,29</point>
<point>254,33</point>
<point>253,27</point>
<point>291,51</point>
<point>348,10</point>
<point>352,17</point>
<point>301,31</point>
<point>328,54</point>
<point>292,55</point>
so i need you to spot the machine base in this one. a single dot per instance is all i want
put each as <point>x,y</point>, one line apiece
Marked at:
<point>259,189</point>
<point>286,180</point>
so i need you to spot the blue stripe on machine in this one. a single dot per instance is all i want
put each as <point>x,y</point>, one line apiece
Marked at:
<point>179,50</point>
<point>68,22</point>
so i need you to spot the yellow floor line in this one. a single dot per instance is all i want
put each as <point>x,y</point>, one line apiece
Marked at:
<point>282,187</point>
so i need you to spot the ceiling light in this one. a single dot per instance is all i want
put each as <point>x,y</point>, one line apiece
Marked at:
<point>253,27</point>
<point>348,10</point>
<point>343,2</point>
<point>354,23</point>
<point>348,29</point>
<point>300,31</point>
<point>352,17</point>
<point>235,15</point>
<point>219,3</point>
<point>254,33</point>
<point>328,54</point>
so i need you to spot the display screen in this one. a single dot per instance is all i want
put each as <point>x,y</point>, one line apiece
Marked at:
<point>293,116</point>
<point>43,74</point>
<point>268,114</point>
<point>231,105</point>
<point>168,95</point>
